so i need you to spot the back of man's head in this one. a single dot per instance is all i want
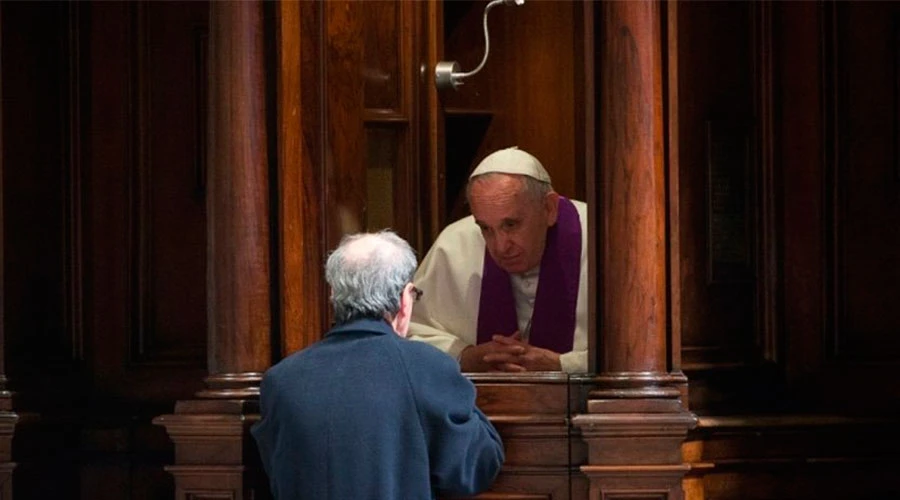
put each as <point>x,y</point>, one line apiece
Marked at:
<point>367,273</point>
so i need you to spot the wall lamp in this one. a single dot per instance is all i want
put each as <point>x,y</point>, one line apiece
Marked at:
<point>447,74</point>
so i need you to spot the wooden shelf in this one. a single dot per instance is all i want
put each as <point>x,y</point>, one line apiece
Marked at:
<point>467,112</point>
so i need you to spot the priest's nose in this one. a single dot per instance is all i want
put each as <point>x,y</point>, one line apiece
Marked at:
<point>503,244</point>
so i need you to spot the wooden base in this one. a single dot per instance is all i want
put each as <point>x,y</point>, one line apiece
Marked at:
<point>215,456</point>
<point>634,432</point>
<point>8,421</point>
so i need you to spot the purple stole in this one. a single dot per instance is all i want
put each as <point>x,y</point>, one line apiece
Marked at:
<point>553,320</point>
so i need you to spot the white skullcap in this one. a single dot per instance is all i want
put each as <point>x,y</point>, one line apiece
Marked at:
<point>512,161</point>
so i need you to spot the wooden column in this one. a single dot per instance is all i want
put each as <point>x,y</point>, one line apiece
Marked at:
<point>635,421</point>
<point>239,310</point>
<point>210,433</point>
<point>7,417</point>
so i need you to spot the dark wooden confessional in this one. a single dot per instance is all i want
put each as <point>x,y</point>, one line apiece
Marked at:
<point>174,173</point>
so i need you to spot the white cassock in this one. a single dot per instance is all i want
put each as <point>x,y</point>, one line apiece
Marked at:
<point>450,277</point>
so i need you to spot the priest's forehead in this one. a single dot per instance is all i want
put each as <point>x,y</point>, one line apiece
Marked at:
<point>497,199</point>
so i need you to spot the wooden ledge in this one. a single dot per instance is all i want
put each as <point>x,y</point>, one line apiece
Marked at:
<point>519,378</point>
<point>717,422</point>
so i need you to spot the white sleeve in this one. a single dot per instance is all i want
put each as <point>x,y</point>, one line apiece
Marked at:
<point>450,278</point>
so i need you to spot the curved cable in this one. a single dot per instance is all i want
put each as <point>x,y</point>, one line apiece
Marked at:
<point>487,41</point>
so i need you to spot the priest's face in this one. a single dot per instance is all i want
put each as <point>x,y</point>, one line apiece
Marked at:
<point>513,221</point>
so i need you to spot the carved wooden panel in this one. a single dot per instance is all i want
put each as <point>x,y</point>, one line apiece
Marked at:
<point>42,162</point>
<point>841,223</point>
<point>661,482</point>
<point>391,41</point>
<point>344,161</point>
<point>801,95</point>
<point>531,413</point>
<point>530,483</point>
<point>715,96</point>
<point>386,39</point>
<point>104,239</point>
<point>728,195</point>
<point>792,456</point>
<point>166,185</point>
<point>863,190</point>
<point>147,238</point>
<point>729,252</point>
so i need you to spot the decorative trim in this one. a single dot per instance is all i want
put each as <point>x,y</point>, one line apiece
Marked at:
<point>140,273</point>
<point>832,193</point>
<point>73,213</point>
<point>201,67</point>
<point>897,98</point>
<point>728,188</point>
<point>767,186</point>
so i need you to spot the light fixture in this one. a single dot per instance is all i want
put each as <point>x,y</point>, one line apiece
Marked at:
<point>447,74</point>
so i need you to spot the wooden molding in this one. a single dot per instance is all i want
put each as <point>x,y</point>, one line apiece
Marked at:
<point>8,421</point>
<point>215,457</point>
<point>662,482</point>
<point>634,438</point>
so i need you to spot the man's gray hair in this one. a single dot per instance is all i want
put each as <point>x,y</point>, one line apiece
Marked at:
<point>367,273</point>
<point>534,189</point>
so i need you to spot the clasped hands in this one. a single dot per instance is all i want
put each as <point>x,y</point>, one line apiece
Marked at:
<point>508,353</point>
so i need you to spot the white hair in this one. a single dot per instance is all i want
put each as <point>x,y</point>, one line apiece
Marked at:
<point>367,273</point>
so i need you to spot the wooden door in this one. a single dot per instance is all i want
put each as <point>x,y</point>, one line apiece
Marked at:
<point>105,239</point>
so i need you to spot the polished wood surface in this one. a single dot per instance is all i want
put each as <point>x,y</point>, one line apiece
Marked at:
<point>238,281</point>
<point>671,59</point>
<point>209,433</point>
<point>721,335</point>
<point>214,456</point>
<point>300,178</point>
<point>803,97</point>
<point>810,346</point>
<point>134,208</point>
<point>392,111</point>
<point>858,214</point>
<point>634,421</point>
<point>104,239</point>
<point>717,315</point>
<point>106,178</point>
<point>532,414</point>
<point>793,456</point>
<point>632,237</point>
<point>344,156</point>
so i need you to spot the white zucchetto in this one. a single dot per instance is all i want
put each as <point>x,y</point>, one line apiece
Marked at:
<point>512,161</point>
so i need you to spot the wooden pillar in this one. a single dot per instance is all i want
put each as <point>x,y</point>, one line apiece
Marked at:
<point>635,421</point>
<point>7,417</point>
<point>238,281</point>
<point>211,432</point>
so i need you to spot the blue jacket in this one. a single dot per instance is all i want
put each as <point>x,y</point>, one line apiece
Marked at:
<point>366,414</point>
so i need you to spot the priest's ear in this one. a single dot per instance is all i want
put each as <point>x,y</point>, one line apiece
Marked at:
<point>551,207</point>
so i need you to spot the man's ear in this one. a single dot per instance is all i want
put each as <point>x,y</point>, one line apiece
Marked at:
<point>551,207</point>
<point>402,318</point>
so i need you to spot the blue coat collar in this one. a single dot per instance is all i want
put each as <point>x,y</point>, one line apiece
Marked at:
<point>376,326</point>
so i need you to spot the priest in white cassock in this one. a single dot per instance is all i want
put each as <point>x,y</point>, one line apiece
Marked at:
<point>505,289</point>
